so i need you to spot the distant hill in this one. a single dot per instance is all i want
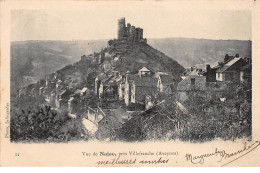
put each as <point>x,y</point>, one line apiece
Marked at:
<point>189,52</point>
<point>32,60</point>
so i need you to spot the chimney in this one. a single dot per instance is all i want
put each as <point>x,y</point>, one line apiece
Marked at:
<point>208,68</point>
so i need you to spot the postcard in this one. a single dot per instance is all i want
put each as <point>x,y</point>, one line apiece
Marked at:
<point>130,83</point>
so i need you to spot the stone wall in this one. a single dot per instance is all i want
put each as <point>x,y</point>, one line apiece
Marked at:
<point>129,33</point>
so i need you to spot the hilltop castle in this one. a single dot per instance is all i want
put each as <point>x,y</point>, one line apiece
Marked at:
<point>128,32</point>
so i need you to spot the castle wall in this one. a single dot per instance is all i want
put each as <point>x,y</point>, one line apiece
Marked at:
<point>132,34</point>
<point>121,28</point>
<point>129,32</point>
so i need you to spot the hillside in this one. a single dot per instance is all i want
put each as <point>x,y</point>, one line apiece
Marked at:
<point>83,72</point>
<point>32,60</point>
<point>145,55</point>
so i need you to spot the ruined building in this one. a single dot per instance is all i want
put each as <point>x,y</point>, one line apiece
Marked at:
<point>128,32</point>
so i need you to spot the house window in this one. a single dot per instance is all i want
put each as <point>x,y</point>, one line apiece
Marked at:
<point>192,81</point>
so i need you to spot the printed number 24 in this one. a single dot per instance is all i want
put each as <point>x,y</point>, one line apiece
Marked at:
<point>17,154</point>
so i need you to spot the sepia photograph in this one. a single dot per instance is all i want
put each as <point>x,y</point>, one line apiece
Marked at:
<point>132,87</point>
<point>82,73</point>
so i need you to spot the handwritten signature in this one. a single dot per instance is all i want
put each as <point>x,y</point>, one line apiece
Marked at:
<point>199,159</point>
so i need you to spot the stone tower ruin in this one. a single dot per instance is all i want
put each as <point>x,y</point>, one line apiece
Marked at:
<point>121,28</point>
<point>128,32</point>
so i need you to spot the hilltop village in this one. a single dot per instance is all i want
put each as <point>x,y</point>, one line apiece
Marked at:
<point>115,98</point>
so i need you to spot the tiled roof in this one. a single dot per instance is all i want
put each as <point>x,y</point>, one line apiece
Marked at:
<point>59,81</point>
<point>166,79</point>
<point>101,76</point>
<point>62,92</point>
<point>144,69</point>
<point>195,72</point>
<point>185,84</point>
<point>110,81</point>
<point>107,78</point>
<point>227,65</point>
<point>84,89</point>
<point>157,74</point>
<point>148,81</point>
<point>142,92</point>
<point>118,78</point>
<point>71,99</point>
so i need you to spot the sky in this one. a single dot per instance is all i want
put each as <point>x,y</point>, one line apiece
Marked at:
<point>95,24</point>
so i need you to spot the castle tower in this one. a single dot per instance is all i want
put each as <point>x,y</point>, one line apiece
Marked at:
<point>128,29</point>
<point>137,36</point>
<point>121,28</point>
<point>132,34</point>
<point>141,33</point>
<point>129,32</point>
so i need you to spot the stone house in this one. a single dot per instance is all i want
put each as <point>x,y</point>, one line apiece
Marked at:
<point>121,89</point>
<point>127,91</point>
<point>165,83</point>
<point>197,86</point>
<point>98,82</point>
<point>144,71</point>
<point>58,84</point>
<point>107,55</point>
<point>62,98</point>
<point>190,84</point>
<point>246,74</point>
<point>84,91</point>
<point>41,90</point>
<point>49,78</point>
<point>139,89</point>
<point>107,66</point>
<point>101,57</point>
<point>85,58</point>
<point>138,86</point>
<point>230,70</point>
<point>142,87</point>
<point>72,104</point>
<point>104,84</point>
<point>53,97</point>
<point>47,93</point>
<point>110,92</point>
<point>192,71</point>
